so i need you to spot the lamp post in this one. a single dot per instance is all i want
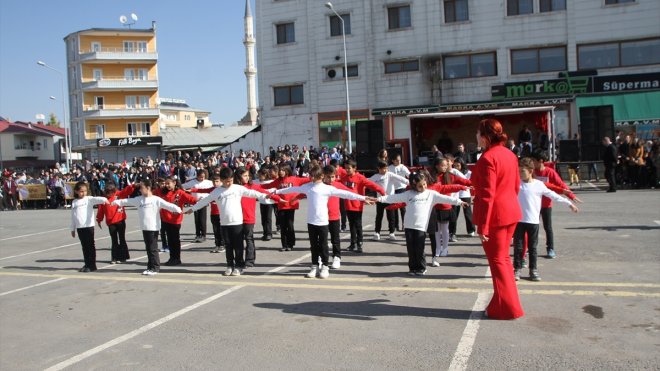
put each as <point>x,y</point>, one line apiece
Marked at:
<point>348,102</point>
<point>66,132</point>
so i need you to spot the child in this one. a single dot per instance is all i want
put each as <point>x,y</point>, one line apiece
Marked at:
<point>318,194</point>
<point>340,172</point>
<point>389,182</point>
<point>218,237</point>
<point>399,169</point>
<point>287,210</point>
<point>460,166</point>
<point>265,207</point>
<point>444,212</point>
<point>547,175</point>
<point>199,182</point>
<point>419,204</point>
<point>531,191</point>
<point>357,183</point>
<point>171,222</point>
<point>228,197</point>
<point>115,219</point>
<point>82,220</point>
<point>149,207</point>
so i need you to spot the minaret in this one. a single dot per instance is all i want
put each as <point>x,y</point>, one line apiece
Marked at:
<point>250,71</point>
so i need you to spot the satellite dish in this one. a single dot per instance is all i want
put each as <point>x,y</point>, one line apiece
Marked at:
<point>134,17</point>
<point>123,19</point>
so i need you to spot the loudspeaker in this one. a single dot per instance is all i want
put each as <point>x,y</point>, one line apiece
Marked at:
<point>595,123</point>
<point>370,137</point>
<point>569,151</point>
<point>366,162</point>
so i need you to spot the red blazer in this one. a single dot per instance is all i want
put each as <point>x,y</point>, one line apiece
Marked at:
<point>496,182</point>
<point>114,214</point>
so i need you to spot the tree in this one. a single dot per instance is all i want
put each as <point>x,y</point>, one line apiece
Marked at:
<point>53,121</point>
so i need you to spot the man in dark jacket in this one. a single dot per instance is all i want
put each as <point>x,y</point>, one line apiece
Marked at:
<point>609,160</point>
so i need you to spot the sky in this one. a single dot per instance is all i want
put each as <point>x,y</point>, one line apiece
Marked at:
<point>201,56</point>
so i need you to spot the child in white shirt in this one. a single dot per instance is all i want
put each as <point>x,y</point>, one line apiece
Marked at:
<point>318,194</point>
<point>531,192</point>
<point>390,183</point>
<point>149,207</point>
<point>82,220</point>
<point>419,205</point>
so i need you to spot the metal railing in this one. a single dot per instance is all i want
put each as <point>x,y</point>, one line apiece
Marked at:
<point>116,108</point>
<point>115,50</point>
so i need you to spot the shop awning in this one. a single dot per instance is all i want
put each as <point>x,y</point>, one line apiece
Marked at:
<point>192,138</point>
<point>628,106</point>
<point>487,112</point>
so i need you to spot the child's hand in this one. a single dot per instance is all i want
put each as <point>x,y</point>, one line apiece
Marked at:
<point>188,212</point>
<point>577,200</point>
<point>73,234</point>
<point>99,224</point>
<point>465,205</point>
<point>574,208</point>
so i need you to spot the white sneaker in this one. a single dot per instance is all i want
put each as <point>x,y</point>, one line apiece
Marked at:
<point>228,272</point>
<point>434,262</point>
<point>472,234</point>
<point>444,252</point>
<point>146,272</point>
<point>392,237</point>
<point>376,236</point>
<point>236,272</point>
<point>325,272</point>
<point>312,272</point>
<point>336,262</point>
<point>149,272</point>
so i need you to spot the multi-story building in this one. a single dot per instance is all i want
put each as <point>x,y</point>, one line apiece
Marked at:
<point>424,56</point>
<point>113,92</point>
<point>30,145</point>
<point>176,113</point>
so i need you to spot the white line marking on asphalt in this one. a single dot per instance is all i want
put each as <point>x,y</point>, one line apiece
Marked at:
<point>140,258</point>
<point>592,185</point>
<point>657,221</point>
<point>75,359</point>
<point>292,262</point>
<point>31,286</point>
<point>31,234</point>
<point>57,247</point>
<point>464,348</point>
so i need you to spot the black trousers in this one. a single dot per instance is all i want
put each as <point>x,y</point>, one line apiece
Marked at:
<point>318,239</point>
<point>119,250</point>
<point>355,224</point>
<point>609,176</point>
<point>342,213</point>
<point>86,237</point>
<point>250,249</point>
<point>163,236</point>
<point>546,216</point>
<point>217,231</point>
<point>467,213</point>
<point>401,210</point>
<point>287,233</point>
<point>415,245</point>
<point>380,210</point>
<point>173,233</point>
<point>333,228</point>
<point>151,246</point>
<point>267,219</point>
<point>532,232</point>
<point>233,235</point>
<point>200,222</point>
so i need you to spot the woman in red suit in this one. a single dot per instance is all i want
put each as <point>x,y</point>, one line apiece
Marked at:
<point>496,182</point>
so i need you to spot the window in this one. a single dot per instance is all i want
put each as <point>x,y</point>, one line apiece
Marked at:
<point>129,46</point>
<point>332,72</point>
<point>619,54</point>
<point>538,60</point>
<point>612,2</point>
<point>186,117</point>
<point>456,11</point>
<point>285,33</point>
<point>352,70</point>
<point>142,74</point>
<point>471,65</point>
<point>519,7</point>
<point>129,74</point>
<point>142,46</point>
<point>131,101</point>
<point>131,128</point>
<point>552,5</point>
<point>45,144</point>
<point>145,128</point>
<point>335,24</point>
<point>96,46</point>
<point>135,46</point>
<point>99,102</point>
<point>288,95</point>
<point>100,131</point>
<point>143,101</point>
<point>402,66</point>
<point>98,74</point>
<point>399,17</point>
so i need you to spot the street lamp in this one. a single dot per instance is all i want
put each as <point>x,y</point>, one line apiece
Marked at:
<point>348,103</point>
<point>66,132</point>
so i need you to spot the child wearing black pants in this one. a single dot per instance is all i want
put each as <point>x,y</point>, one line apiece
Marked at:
<point>82,221</point>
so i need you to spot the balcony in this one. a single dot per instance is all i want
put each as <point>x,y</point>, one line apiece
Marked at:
<point>119,83</point>
<point>104,55</point>
<point>116,112</point>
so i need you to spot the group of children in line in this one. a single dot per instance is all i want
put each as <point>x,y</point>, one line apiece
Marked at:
<point>431,201</point>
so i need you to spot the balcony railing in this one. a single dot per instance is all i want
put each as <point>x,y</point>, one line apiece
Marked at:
<point>103,112</point>
<point>135,54</point>
<point>120,82</point>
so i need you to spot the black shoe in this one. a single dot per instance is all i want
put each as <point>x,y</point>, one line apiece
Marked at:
<point>84,270</point>
<point>351,247</point>
<point>359,249</point>
<point>266,238</point>
<point>534,275</point>
<point>284,249</point>
<point>171,263</point>
<point>611,190</point>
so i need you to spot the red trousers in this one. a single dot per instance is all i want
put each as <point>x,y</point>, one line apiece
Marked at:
<point>505,303</point>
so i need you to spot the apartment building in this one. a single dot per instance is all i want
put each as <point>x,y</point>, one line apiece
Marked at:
<point>113,92</point>
<point>597,62</point>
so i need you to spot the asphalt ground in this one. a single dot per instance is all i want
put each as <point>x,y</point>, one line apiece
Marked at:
<point>597,307</point>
